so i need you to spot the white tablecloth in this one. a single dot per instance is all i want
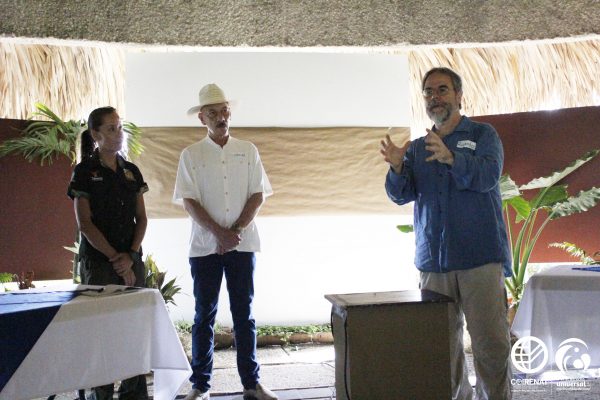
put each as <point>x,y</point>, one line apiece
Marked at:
<point>559,304</point>
<point>96,340</point>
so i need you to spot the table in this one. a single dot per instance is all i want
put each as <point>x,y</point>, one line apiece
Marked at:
<point>92,341</point>
<point>391,345</point>
<point>561,303</point>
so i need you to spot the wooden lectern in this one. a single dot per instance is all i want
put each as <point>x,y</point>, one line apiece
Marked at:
<point>391,345</point>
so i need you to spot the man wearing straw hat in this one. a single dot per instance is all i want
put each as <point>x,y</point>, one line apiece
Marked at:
<point>221,183</point>
<point>452,174</point>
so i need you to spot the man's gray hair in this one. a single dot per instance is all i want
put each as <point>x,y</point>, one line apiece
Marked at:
<point>456,79</point>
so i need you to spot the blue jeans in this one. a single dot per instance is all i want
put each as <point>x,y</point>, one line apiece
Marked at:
<point>207,273</point>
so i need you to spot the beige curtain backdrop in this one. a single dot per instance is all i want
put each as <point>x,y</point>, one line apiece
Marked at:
<point>321,171</point>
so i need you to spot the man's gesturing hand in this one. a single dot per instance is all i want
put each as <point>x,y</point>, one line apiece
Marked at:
<point>393,154</point>
<point>435,145</point>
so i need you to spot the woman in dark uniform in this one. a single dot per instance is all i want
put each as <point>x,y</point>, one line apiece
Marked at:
<point>109,206</point>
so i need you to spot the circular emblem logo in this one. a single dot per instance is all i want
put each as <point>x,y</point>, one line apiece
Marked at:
<point>529,355</point>
<point>572,354</point>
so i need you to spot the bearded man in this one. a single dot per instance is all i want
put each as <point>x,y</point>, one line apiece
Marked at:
<point>452,175</point>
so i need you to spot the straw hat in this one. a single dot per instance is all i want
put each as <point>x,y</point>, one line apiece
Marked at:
<point>209,94</point>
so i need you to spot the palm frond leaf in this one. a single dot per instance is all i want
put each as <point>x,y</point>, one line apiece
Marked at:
<point>550,180</point>
<point>134,135</point>
<point>550,196</point>
<point>576,252</point>
<point>508,188</point>
<point>46,140</point>
<point>585,200</point>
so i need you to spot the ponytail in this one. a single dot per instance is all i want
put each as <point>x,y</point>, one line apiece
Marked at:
<point>87,144</point>
<point>94,122</point>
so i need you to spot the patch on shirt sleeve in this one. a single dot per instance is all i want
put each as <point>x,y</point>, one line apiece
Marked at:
<point>466,143</point>
<point>128,175</point>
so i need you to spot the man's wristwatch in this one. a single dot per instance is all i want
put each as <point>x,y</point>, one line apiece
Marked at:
<point>136,256</point>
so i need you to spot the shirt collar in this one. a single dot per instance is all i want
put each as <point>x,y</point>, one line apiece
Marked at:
<point>463,126</point>
<point>215,145</point>
<point>98,162</point>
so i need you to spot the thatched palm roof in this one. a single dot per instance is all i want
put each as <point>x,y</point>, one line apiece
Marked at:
<point>71,80</point>
<point>503,78</point>
<point>514,77</point>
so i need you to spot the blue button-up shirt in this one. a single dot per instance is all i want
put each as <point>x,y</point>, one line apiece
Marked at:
<point>458,219</point>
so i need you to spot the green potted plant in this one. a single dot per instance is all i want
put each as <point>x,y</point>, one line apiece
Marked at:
<point>550,202</point>
<point>155,279</point>
<point>47,139</point>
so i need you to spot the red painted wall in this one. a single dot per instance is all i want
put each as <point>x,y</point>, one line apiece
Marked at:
<point>36,216</point>
<point>539,143</point>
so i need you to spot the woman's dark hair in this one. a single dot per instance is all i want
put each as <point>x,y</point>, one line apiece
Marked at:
<point>94,122</point>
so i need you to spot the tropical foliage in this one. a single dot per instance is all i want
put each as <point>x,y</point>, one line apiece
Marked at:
<point>5,277</point>
<point>277,330</point>
<point>155,280</point>
<point>45,140</point>
<point>550,202</point>
<point>578,252</point>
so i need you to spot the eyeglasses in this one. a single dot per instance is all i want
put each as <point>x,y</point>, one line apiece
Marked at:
<point>440,91</point>
<point>214,114</point>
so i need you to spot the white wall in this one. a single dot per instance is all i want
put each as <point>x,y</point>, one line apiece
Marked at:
<point>302,259</point>
<point>271,89</point>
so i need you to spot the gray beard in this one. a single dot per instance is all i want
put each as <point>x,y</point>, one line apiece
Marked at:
<point>440,117</point>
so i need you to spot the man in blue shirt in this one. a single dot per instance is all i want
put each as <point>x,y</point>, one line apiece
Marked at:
<point>462,250</point>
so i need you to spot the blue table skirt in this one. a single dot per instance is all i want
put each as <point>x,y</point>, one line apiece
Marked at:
<point>23,318</point>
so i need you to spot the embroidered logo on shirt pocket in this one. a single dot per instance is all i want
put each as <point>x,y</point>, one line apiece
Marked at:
<point>95,177</point>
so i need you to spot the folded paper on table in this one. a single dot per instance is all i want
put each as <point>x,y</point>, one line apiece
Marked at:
<point>108,290</point>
